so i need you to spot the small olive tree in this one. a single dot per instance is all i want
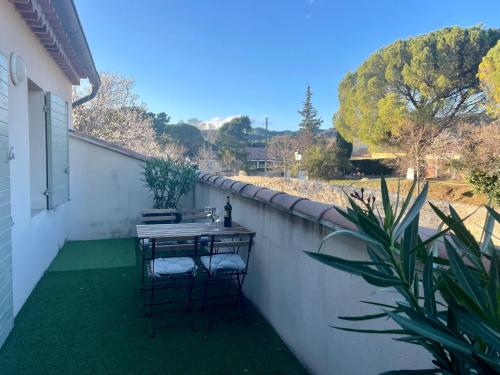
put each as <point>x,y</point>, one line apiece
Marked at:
<point>169,180</point>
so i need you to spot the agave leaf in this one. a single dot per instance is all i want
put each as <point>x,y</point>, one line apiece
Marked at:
<point>412,212</point>
<point>478,327</point>
<point>363,317</point>
<point>487,364</point>
<point>386,269</point>
<point>379,304</point>
<point>459,229</point>
<point>383,331</point>
<point>349,215</point>
<point>350,233</point>
<point>452,292</point>
<point>470,255</point>
<point>386,202</point>
<point>432,332</point>
<point>412,372</point>
<point>382,280</point>
<point>372,228</point>
<point>410,241</point>
<point>428,281</point>
<point>406,202</point>
<point>416,289</point>
<point>397,199</point>
<point>463,275</point>
<point>354,267</point>
<point>494,282</point>
<point>493,213</point>
<point>487,232</point>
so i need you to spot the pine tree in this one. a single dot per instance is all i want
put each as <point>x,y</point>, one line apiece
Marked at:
<point>310,119</point>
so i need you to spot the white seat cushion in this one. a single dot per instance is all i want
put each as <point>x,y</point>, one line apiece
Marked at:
<point>172,266</point>
<point>223,262</point>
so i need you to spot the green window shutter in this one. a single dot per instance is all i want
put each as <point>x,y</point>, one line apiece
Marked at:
<point>56,114</point>
<point>6,302</point>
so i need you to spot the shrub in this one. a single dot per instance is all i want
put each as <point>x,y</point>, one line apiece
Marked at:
<point>325,162</point>
<point>168,180</point>
<point>452,307</point>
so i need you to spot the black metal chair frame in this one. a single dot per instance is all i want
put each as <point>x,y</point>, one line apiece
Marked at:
<point>173,281</point>
<point>227,276</point>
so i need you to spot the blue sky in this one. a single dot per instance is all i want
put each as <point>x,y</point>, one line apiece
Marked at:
<point>217,58</point>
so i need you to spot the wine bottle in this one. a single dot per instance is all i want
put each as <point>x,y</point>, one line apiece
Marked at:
<point>227,213</point>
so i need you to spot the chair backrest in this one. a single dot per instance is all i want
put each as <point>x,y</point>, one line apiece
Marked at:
<point>231,243</point>
<point>158,215</point>
<point>168,215</point>
<point>184,244</point>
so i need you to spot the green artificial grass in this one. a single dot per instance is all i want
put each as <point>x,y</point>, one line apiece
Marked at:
<point>90,321</point>
<point>83,255</point>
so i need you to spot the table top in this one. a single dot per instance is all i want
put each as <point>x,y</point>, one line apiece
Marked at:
<point>188,230</point>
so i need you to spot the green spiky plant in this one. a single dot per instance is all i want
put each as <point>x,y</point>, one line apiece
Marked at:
<point>168,179</point>
<point>450,307</point>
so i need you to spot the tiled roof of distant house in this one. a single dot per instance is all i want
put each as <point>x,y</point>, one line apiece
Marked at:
<point>259,154</point>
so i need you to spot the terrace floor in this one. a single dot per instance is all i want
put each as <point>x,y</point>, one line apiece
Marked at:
<point>85,317</point>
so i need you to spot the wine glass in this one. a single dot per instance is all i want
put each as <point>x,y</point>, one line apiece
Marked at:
<point>216,218</point>
<point>209,214</point>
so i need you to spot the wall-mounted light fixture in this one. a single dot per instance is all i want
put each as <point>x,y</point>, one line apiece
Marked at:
<point>17,69</point>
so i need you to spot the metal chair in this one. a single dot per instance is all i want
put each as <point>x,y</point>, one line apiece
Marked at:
<point>167,272</point>
<point>227,262</point>
<point>167,216</point>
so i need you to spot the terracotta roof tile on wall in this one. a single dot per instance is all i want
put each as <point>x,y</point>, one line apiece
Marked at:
<point>250,190</point>
<point>206,176</point>
<point>286,201</point>
<point>267,195</point>
<point>332,216</point>
<point>238,186</point>
<point>219,181</point>
<point>311,209</point>
<point>228,183</point>
<point>213,178</point>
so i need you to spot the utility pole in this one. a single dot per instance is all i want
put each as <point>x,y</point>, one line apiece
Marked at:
<point>265,163</point>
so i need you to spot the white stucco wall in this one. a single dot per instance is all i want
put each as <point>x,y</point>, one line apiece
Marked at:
<point>301,297</point>
<point>35,240</point>
<point>106,193</point>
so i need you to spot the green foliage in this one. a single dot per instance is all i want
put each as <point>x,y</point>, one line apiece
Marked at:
<point>232,140</point>
<point>489,75</point>
<point>168,180</point>
<point>430,79</point>
<point>326,162</point>
<point>487,182</point>
<point>344,148</point>
<point>450,307</point>
<point>185,135</point>
<point>160,122</point>
<point>310,119</point>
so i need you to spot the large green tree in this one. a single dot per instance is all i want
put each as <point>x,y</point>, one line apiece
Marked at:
<point>489,74</point>
<point>232,140</point>
<point>160,122</point>
<point>310,119</point>
<point>429,80</point>
<point>185,135</point>
<point>310,122</point>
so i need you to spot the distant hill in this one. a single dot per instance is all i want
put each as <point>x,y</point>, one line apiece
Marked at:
<point>259,135</point>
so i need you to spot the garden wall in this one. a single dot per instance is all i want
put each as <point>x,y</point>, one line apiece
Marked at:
<point>300,297</point>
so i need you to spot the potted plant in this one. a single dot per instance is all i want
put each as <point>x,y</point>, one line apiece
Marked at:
<point>169,180</point>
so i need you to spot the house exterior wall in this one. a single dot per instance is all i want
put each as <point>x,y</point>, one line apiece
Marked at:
<point>106,193</point>
<point>35,240</point>
<point>301,297</point>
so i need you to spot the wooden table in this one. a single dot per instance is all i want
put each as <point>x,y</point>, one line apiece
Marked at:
<point>167,231</point>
